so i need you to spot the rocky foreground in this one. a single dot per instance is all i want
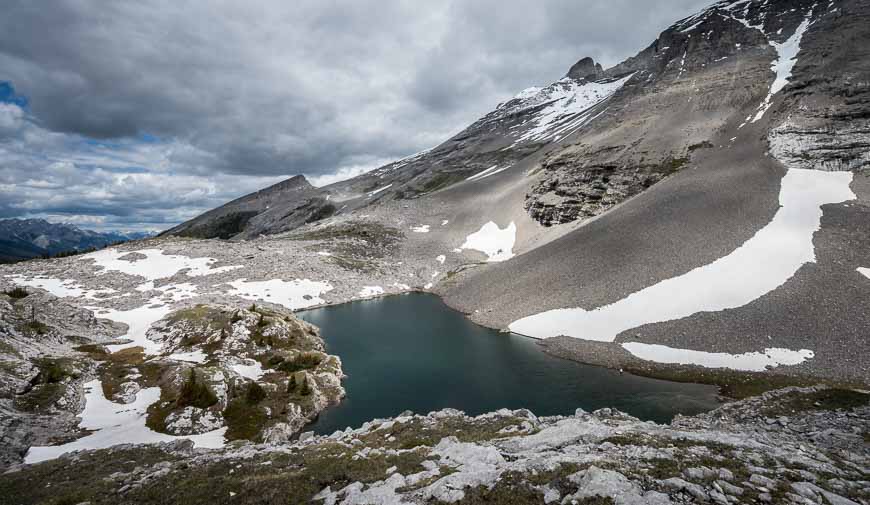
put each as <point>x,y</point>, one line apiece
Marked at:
<point>804,446</point>
<point>213,372</point>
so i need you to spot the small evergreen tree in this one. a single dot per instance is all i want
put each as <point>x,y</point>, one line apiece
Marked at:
<point>306,389</point>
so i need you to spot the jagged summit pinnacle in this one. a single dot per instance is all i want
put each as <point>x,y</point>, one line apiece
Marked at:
<point>586,68</point>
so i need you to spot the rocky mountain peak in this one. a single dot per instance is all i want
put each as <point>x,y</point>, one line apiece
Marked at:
<point>586,68</point>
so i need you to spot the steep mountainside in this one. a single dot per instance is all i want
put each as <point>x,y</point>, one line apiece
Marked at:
<point>704,199</point>
<point>31,238</point>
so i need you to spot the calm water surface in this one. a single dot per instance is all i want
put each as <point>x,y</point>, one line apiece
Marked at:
<point>412,352</point>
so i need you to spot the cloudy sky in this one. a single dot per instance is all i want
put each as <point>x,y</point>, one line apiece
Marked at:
<point>139,115</point>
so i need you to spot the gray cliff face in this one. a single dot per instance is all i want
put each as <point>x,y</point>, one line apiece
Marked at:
<point>586,69</point>
<point>827,123</point>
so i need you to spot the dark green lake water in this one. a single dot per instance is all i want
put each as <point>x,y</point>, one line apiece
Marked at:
<point>412,352</point>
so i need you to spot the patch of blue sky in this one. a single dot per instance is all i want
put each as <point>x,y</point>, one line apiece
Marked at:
<point>8,95</point>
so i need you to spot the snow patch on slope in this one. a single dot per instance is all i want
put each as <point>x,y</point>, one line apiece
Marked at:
<point>117,423</point>
<point>565,106</point>
<point>251,369</point>
<point>493,241</point>
<point>60,288</point>
<point>750,361</point>
<point>784,63</point>
<point>371,291</point>
<point>488,172</point>
<point>138,321</point>
<point>295,294</point>
<point>763,263</point>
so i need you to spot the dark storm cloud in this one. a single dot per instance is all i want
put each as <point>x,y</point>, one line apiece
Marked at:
<point>268,89</point>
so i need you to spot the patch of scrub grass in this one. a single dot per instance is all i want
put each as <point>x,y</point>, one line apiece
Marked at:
<point>825,399</point>
<point>351,264</point>
<point>57,482</point>
<point>302,361</point>
<point>49,385</point>
<point>6,348</point>
<point>663,468</point>
<point>371,232</point>
<point>244,417</point>
<point>195,393</point>
<point>287,479</point>
<point>671,165</point>
<point>706,144</point>
<point>510,489</point>
<point>640,439</point>
<point>416,433</point>
<point>16,293</point>
<point>732,384</point>
<point>40,398</point>
<point>34,327</point>
<point>52,371</point>
<point>97,349</point>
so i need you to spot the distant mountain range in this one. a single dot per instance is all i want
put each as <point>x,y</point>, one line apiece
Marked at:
<point>22,239</point>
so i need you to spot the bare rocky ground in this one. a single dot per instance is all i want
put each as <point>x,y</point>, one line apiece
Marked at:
<point>800,446</point>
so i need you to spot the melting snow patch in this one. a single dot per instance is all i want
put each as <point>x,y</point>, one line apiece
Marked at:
<point>58,287</point>
<point>423,228</point>
<point>155,265</point>
<point>750,361</point>
<point>441,258</point>
<point>373,193</point>
<point>196,356</point>
<point>370,291</point>
<point>138,320</point>
<point>493,241</point>
<point>295,294</point>
<point>252,369</point>
<point>763,263</point>
<point>117,423</point>
<point>567,106</point>
<point>178,292</point>
<point>784,63</point>
<point>486,173</point>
